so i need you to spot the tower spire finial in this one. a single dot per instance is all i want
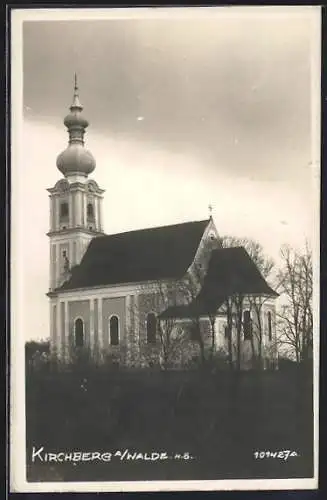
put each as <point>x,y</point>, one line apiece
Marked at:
<point>76,102</point>
<point>76,159</point>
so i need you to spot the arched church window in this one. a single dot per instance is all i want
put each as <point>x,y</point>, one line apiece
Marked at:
<point>90,211</point>
<point>247,325</point>
<point>114,330</point>
<point>64,210</point>
<point>151,328</point>
<point>269,325</point>
<point>79,332</point>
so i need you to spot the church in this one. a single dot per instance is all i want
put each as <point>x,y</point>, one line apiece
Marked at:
<point>162,296</point>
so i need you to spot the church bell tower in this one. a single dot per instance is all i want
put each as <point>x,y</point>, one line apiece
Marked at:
<point>75,200</point>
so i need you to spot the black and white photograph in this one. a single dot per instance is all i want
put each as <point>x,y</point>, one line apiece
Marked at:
<point>165,189</point>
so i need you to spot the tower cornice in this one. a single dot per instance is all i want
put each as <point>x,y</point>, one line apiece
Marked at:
<point>77,186</point>
<point>74,230</point>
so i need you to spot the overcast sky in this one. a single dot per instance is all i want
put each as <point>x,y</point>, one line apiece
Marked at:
<point>184,112</point>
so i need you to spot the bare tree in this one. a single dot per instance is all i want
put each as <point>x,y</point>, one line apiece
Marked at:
<point>168,337</point>
<point>175,334</point>
<point>229,315</point>
<point>264,263</point>
<point>236,303</point>
<point>295,318</point>
<point>171,334</point>
<point>257,334</point>
<point>191,285</point>
<point>199,322</point>
<point>175,330</point>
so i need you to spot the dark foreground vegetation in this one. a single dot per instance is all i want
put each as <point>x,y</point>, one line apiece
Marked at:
<point>219,419</point>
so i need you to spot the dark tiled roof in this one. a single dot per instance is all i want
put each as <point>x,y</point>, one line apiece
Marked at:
<point>230,271</point>
<point>136,256</point>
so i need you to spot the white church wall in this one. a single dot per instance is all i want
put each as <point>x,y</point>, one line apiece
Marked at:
<point>220,339</point>
<point>94,329</point>
<point>57,330</point>
<point>132,305</point>
<point>54,330</point>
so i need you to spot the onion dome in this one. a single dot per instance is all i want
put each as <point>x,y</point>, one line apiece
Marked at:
<point>76,159</point>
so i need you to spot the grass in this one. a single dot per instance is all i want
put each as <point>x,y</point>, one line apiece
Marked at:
<point>221,420</point>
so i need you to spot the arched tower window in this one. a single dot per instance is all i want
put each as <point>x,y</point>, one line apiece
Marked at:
<point>151,328</point>
<point>114,330</point>
<point>90,212</point>
<point>64,210</point>
<point>247,325</point>
<point>79,332</point>
<point>269,326</point>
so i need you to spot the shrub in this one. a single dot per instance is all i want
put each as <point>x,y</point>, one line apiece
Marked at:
<point>37,354</point>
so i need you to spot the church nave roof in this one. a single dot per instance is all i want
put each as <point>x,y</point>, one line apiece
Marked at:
<point>137,256</point>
